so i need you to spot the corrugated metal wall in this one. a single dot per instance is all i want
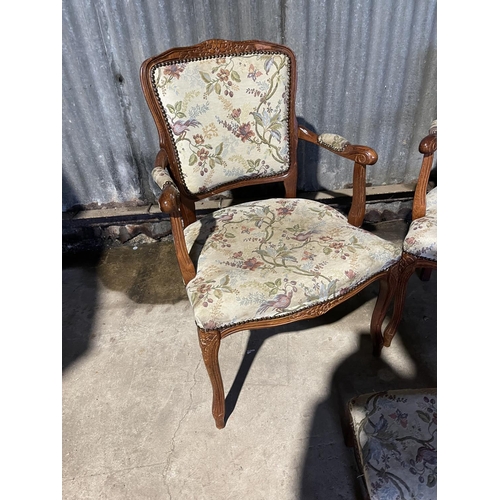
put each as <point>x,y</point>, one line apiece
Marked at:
<point>367,70</point>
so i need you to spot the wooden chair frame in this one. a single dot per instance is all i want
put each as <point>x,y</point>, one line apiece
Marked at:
<point>177,201</point>
<point>410,263</point>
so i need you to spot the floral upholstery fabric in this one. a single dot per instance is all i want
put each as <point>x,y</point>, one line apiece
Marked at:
<point>228,117</point>
<point>396,441</point>
<point>269,258</point>
<point>421,239</point>
<point>334,141</point>
<point>161,177</point>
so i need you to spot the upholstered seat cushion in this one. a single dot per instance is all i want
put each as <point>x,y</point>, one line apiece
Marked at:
<point>396,443</point>
<point>270,258</point>
<point>421,239</point>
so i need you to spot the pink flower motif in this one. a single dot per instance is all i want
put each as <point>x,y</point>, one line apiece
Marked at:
<point>253,72</point>
<point>203,154</point>
<point>350,274</point>
<point>174,70</point>
<point>308,256</point>
<point>284,211</point>
<point>236,113</point>
<point>252,264</point>
<point>223,75</point>
<point>244,132</point>
<point>210,325</point>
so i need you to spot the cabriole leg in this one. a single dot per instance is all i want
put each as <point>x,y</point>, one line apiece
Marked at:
<point>210,343</point>
<point>387,289</point>
<point>407,268</point>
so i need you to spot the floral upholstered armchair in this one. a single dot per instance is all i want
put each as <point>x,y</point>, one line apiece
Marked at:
<point>420,243</point>
<point>225,114</point>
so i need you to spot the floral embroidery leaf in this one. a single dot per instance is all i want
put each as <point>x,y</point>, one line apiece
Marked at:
<point>219,149</point>
<point>205,77</point>
<point>424,416</point>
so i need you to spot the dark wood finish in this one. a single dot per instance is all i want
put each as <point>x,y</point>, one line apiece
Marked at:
<point>428,146</point>
<point>410,263</point>
<point>407,266</point>
<point>362,156</point>
<point>177,201</point>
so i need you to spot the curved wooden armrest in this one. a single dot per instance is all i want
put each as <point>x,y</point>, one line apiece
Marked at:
<point>169,202</point>
<point>340,146</point>
<point>360,155</point>
<point>428,145</point>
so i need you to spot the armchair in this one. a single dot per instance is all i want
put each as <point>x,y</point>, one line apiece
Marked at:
<point>420,244</point>
<point>225,114</point>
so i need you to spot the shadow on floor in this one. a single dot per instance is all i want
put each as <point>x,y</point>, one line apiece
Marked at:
<point>363,373</point>
<point>79,303</point>
<point>257,339</point>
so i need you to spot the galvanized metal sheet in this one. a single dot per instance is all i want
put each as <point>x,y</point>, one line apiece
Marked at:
<point>367,71</point>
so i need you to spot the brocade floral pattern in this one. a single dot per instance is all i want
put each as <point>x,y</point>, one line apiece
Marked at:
<point>270,258</point>
<point>241,131</point>
<point>396,437</point>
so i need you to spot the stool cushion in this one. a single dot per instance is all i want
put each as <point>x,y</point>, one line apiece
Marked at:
<point>396,443</point>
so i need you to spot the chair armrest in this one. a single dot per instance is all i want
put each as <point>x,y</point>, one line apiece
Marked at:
<point>340,146</point>
<point>170,197</point>
<point>360,155</point>
<point>169,202</point>
<point>428,145</point>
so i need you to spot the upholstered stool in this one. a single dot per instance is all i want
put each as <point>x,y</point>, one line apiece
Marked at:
<point>395,440</point>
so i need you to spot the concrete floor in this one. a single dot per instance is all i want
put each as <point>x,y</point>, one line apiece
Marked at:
<point>137,420</point>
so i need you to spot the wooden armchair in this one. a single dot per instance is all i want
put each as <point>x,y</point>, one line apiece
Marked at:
<point>225,114</point>
<point>420,243</point>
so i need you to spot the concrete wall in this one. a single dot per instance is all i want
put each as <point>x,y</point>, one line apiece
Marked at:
<point>367,70</point>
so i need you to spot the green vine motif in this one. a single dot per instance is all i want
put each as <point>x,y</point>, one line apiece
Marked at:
<point>267,124</point>
<point>281,256</point>
<point>176,110</point>
<point>276,286</point>
<point>267,121</point>
<point>330,245</point>
<point>223,80</point>
<point>202,155</point>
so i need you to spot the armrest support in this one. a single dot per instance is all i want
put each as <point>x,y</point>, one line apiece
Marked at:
<point>428,146</point>
<point>361,155</point>
<point>169,202</point>
<point>170,197</point>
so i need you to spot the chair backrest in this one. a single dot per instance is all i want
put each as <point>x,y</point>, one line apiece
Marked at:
<point>225,114</point>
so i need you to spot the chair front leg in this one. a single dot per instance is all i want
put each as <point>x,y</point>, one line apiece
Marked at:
<point>407,266</point>
<point>387,289</point>
<point>210,343</point>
